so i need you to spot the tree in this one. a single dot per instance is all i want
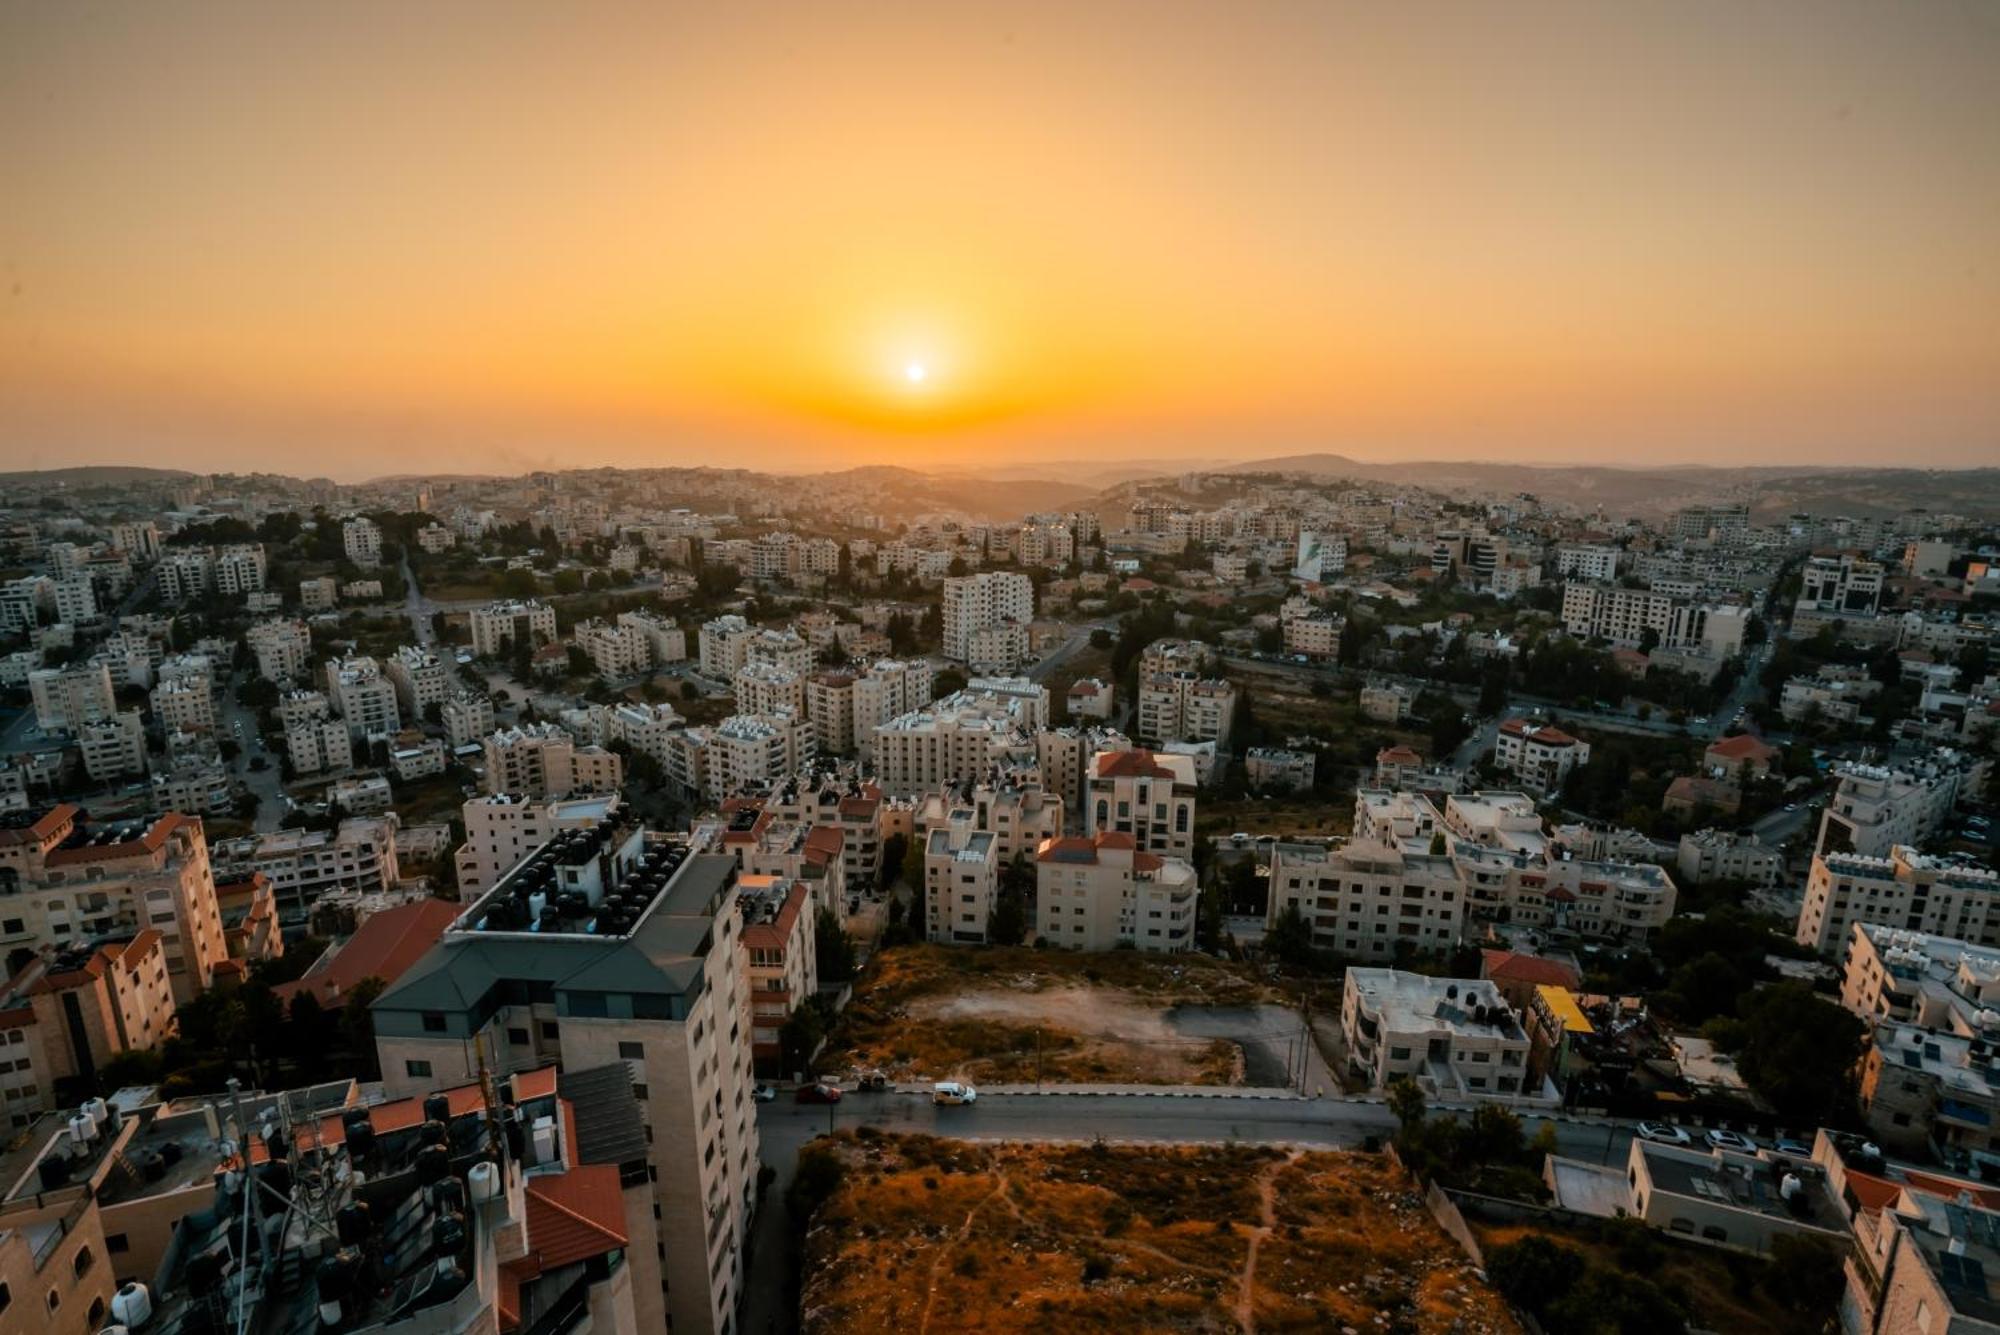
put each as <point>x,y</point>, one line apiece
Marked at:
<point>800,1036</point>
<point>833,953</point>
<point>913,866</point>
<point>1534,1272</point>
<point>893,851</point>
<point>1406,1100</point>
<point>1799,1051</point>
<point>1805,1275</point>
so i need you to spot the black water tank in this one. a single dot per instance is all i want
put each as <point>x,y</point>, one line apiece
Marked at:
<point>433,1164</point>
<point>437,1108</point>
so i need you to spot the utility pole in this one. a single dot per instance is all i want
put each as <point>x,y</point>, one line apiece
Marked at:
<point>1038,1056</point>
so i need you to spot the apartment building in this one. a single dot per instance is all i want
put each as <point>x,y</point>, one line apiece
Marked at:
<point>363,697</point>
<point>72,881</point>
<point>187,573</point>
<point>1539,754</point>
<point>1914,978</point>
<point>723,646</point>
<point>498,628</point>
<point>780,945</point>
<point>1103,893</point>
<point>318,745</point>
<point>1633,618</point>
<point>1907,890</point>
<point>755,750</point>
<point>991,722</point>
<point>961,881</point>
<point>467,718</point>
<point>184,705</point>
<point>282,647</point>
<point>665,642</point>
<point>763,688</point>
<point>1841,585</point>
<point>833,802</point>
<point>80,1005</point>
<point>1192,657</point>
<point>66,698</point>
<point>975,603</point>
<point>1923,1090</point>
<point>113,747</point>
<point>1368,898</point>
<point>1456,1037</point>
<point>1183,707</point>
<point>1146,794</point>
<point>1315,636</point>
<point>301,865</point>
<point>615,649</point>
<point>420,680</point>
<point>1592,562</point>
<point>611,945</point>
<point>829,705</point>
<point>503,828</point>
<point>1018,812</point>
<point>1276,769</point>
<point>785,650</point>
<point>764,844</point>
<point>1386,703</point>
<point>541,760</point>
<point>1727,855</point>
<point>1921,1263</point>
<point>889,689</point>
<point>1877,807</point>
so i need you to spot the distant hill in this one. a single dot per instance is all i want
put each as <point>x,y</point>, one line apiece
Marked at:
<point>95,475</point>
<point>1771,492</point>
<point>913,492</point>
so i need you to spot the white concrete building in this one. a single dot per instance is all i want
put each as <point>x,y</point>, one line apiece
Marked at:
<point>961,879</point>
<point>503,828</point>
<point>540,760</point>
<point>68,698</point>
<point>283,648</point>
<point>113,747</point>
<point>1457,1038</point>
<point>1145,794</point>
<point>467,718</point>
<point>1875,807</point>
<point>363,697</point>
<point>362,541</point>
<point>420,679</point>
<point>1540,754</point>
<point>499,627</point>
<point>974,603</point>
<point>1102,893</point>
<point>1908,890</point>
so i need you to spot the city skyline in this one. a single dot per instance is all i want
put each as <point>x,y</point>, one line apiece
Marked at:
<point>387,242</point>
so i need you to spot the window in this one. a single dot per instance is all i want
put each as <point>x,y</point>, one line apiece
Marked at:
<point>434,1022</point>
<point>96,1311</point>
<point>549,1031</point>
<point>84,1260</point>
<point>6,1298</point>
<point>115,1243</point>
<point>416,1068</point>
<point>517,1037</point>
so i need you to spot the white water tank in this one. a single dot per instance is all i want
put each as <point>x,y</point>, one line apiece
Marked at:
<point>82,1131</point>
<point>484,1180</point>
<point>1790,1186</point>
<point>132,1305</point>
<point>545,1140</point>
<point>98,1112</point>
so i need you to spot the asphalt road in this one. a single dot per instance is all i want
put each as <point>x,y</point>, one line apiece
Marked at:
<point>785,1127</point>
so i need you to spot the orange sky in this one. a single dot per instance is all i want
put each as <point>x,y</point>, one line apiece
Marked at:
<point>382,238</point>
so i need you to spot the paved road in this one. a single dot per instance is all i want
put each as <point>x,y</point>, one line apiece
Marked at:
<point>783,1128</point>
<point>1067,650</point>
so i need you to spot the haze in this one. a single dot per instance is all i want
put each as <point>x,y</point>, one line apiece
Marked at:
<point>363,239</point>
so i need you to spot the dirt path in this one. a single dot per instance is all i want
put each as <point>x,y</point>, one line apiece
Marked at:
<point>1245,1306</point>
<point>964,1229</point>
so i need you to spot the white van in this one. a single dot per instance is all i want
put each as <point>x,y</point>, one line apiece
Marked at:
<point>951,1091</point>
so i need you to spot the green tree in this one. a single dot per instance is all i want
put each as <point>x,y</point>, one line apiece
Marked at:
<point>833,951</point>
<point>1406,1101</point>
<point>1534,1272</point>
<point>1799,1051</point>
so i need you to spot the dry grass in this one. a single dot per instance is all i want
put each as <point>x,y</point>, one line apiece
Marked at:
<point>931,1235</point>
<point>1019,1015</point>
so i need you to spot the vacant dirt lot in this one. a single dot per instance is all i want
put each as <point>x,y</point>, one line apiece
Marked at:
<point>1002,1016</point>
<point>931,1235</point>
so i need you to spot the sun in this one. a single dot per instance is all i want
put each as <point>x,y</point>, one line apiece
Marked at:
<point>916,373</point>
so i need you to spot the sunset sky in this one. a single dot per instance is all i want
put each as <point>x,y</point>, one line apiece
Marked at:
<point>358,239</point>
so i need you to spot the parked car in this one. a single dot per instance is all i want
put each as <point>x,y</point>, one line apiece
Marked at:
<point>952,1092</point>
<point>871,1082</point>
<point>1663,1133</point>
<point>818,1093</point>
<point>764,1093</point>
<point>1794,1149</point>
<point>1731,1140</point>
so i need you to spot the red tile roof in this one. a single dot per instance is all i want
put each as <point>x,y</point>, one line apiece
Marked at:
<point>1130,764</point>
<point>1398,755</point>
<point>1742,746</point>
<point>385,947</point>
<point>575,1215</point>
<point>1506,966</point>
<point>45,827</point>
<point>145,845</point>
